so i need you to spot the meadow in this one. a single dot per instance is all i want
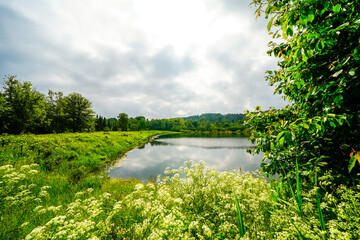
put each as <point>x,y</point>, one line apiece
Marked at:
<point>51,188</point>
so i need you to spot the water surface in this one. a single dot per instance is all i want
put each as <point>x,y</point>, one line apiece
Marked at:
<point>151,160</point>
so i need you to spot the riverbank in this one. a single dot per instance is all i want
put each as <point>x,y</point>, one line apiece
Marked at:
<point>70,154</point>
<point>63,164</point>
<point>47,191</point>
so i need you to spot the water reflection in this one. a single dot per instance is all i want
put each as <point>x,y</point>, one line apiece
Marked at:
<point>153,158</point>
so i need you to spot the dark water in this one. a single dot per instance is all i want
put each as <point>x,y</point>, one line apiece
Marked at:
<point>151,160</point>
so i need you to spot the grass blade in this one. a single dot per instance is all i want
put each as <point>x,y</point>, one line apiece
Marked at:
<point>298,196</point>
<point>321,218</point>
<point>242,229</point>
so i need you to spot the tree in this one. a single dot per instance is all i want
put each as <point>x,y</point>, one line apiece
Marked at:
<point>4,109</point>
<point>123,121</point>
<point>319,59</point>
<point>22,107</point>
<point>78,112</point>
<point>55,111</point>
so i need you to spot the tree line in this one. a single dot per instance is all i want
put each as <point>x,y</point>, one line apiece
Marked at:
<point>125,123</point>
<point>23,109</point>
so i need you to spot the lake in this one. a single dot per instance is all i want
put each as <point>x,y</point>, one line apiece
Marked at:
<point>151,159</point>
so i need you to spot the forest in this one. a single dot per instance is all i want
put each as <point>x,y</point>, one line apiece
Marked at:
<point>25,110</point>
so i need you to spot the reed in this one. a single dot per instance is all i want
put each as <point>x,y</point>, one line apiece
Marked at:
<point>241,226</point>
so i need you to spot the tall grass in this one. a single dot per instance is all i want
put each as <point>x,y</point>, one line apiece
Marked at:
<point>242,229</point>
<point>192,202</point>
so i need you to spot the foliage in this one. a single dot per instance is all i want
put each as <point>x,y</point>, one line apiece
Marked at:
<point>123,121</point>
<point>319,74</point>
<point>217,117</point>
<point>22,107</point>
<point>78,112</point>
<point>206,123</point>
<point>72,155</point>
<point>192,202</point>
<point>25,110</point>
<point>55,112</point>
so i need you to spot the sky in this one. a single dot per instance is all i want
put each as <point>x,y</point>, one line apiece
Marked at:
<point>152,58</point>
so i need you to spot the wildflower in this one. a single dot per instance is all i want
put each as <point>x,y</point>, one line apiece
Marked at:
<point>43,194</point>
<point>25,167</point>
<point>79,194</point>
<point>139,186</point>
<point>207,231</point>
<point>106,195</point>
<point>24,224</point>
<point>44,188</point>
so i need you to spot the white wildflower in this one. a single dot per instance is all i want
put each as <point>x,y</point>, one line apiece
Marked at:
<point>106,195</point>
<point>89,190</point>
<point>43,194</point>
<point>44,188</point>
<point>79,194</point>
<point>207,231</point>
<point>139,186</point>
<point>25,167</point>
<point>24,224</point>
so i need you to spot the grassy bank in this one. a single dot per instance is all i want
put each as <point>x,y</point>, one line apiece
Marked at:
<point>73,155</point>
<point>39,202</point>
<point>48,170</point>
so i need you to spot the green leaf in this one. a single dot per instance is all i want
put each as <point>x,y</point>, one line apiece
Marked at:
<point>303,19</point>
<point>270,23</point>
<point>242,229</point>
<point>288,138</point>
<point>289,31</point>
<point>321,217</point>
<point>311,17</point>
<point>337,8</point>
<point>280,135</point>
<point>352,72</point>
<point>352,163</point>
<point>282,141</point>
<point>338,99</point>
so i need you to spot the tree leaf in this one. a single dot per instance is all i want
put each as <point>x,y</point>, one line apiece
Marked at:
<point>351,163</point>
<point>270,23</point>
<point>357,156</point>
<point>282,141</point>
<point>337,8</point>
<point>289,31</point>
<point>311,17</point>
<point>338,99</point>
<point>337,73</point>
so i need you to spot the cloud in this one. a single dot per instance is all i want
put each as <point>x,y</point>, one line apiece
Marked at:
<point>160,59</point>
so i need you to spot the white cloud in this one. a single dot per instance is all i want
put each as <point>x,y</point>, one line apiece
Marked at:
<point>159,58</point>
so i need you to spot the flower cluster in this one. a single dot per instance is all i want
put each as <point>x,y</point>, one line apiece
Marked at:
<point>192,202</point>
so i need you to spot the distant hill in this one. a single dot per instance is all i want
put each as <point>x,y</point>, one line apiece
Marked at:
<point>214,117</point>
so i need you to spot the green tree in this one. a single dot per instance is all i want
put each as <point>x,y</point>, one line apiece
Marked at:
<point>141,122</point>
<point>318,72</point>
<point>22,107</point>
<point>55,111</point>
<point>78,112</point>
<point>4,109</point>
<point>123,121</point>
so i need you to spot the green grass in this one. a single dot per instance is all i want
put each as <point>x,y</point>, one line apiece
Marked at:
<point>72,154</point>
<point>68,163</point>
<point>50,188</point>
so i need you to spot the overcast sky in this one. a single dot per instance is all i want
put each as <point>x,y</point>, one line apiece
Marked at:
<point>152,58</point>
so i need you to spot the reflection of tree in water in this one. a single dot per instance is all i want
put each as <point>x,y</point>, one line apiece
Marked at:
<point>158,143</point>
<point>141,147</point>
<point>161,143</point>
